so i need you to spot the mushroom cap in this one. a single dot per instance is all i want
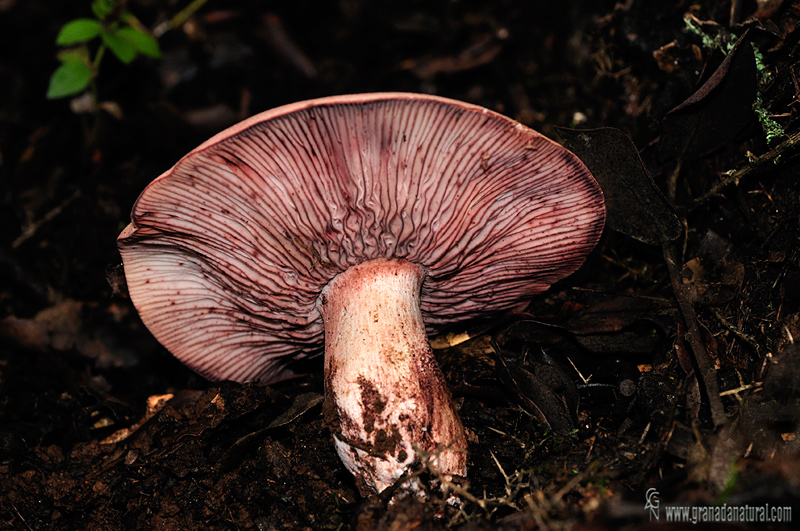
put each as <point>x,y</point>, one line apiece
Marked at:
<point>228,251</point>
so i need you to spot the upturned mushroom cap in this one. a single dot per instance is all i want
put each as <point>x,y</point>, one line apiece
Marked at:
<point>229,250</point>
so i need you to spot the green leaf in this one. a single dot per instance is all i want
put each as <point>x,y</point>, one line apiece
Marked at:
<point>70,78</point>
<point>120,46</point>
<point>102,8</point>
<point>78,30</point>
<point>143,42</point>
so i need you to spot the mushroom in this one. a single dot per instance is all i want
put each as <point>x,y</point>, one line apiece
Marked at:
<point>365,222</point>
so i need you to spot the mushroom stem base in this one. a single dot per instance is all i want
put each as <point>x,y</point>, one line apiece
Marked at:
<point>391,403</point>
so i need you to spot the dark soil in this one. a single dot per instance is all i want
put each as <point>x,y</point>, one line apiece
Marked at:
<point>667,362</point>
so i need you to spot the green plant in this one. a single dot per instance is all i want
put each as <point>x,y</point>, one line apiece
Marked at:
<point>724,42</point>
<point>117,31</point>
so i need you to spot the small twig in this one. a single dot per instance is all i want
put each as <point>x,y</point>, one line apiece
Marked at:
<point>627,295</point>
<point>537,512</point>
<point>446,484</point>
<point>742,387</point>
<point>747,452</point>
<point>506,478</point>
<point>21,517</point>
<point>732,178</point>
<point>644,433</point>
<point>630,271</point>
<point>184,14</point>
<point>591,447</point>
<point>707,373</point>
<point>672,182</point>
<point>276,36</point>
<point>764,363</point>
<point>739,389</point>
<point>514,484</point>
<point>556,498</point>
<point>580,374</point>
<point>738,333</point>
<point>31,229</point>
<point>668,437</point>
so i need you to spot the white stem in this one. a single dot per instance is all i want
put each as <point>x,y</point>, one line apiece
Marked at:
<point>381,378</point>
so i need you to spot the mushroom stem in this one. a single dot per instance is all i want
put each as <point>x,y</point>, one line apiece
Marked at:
<point>381,378</point>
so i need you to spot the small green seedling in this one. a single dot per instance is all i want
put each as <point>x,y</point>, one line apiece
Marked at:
<point>117,30</point>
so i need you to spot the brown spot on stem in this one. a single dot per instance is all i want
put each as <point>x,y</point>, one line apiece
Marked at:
<point>372,401</point>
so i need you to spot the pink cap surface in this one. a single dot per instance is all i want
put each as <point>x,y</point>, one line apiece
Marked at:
<point>228,251</point>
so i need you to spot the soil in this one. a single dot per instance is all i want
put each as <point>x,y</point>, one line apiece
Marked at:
<point>667,362</point>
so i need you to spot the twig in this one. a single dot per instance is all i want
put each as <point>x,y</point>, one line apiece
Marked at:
<point>644,433</point>
<point>537,512</point>
<point>627,295</point>
<point>591,447</point>
<point>732,178</point>
<point>509,495</point>
<point>742,387</point>
<point>276,36</point>
<point>184,14</point>
<point>555,500</point>
<point>738,333</point>
<point>580,374</point>
<point>21,517</point>
<point>31,229</point>
<point>707,373</point>
<point>739,389</point>
<point>672,182</point>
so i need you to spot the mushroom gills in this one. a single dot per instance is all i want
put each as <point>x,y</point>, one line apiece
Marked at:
<point>392,406</point>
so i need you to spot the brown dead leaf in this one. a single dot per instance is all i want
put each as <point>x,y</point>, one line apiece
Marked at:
<point>673,58</point>
<point>547,392</point>
<point>713,116</point>
<point>155,404</point>
<point>716,275</point>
